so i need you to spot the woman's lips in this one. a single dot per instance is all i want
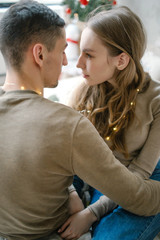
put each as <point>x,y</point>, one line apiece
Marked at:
<point>85,75</point>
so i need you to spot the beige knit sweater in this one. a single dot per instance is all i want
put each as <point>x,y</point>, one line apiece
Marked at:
<point>42,145</point>
<point>143,142</point>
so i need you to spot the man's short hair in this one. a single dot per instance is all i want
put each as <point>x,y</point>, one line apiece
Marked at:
<point>24,23</point>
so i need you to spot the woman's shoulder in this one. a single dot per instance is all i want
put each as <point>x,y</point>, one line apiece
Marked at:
<point>155,84</point>
<point>150,98</point>
<point>151,89</point>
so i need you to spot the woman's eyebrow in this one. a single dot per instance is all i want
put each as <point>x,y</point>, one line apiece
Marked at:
<point>88,50</point>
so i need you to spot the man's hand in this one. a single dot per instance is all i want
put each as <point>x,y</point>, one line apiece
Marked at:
<point>75,203</point>
<point>77,224</point>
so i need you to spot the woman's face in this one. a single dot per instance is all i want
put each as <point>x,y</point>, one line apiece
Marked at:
<point>95,61</point>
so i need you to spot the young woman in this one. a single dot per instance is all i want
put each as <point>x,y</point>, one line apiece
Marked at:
<point>123,103</point>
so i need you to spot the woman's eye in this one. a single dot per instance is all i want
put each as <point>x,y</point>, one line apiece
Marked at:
<point>88,55</point>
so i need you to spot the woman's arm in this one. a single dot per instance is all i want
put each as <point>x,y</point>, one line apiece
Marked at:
<point>95,163</point>
<point>148,109</point>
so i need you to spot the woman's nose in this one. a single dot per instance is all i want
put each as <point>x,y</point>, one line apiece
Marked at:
<point>80,63</point>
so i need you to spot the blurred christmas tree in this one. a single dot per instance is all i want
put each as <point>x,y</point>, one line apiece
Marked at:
<point>83,7</point>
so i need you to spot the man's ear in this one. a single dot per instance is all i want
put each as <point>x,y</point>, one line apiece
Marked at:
<point>122,61</point>
<point>38,53</point>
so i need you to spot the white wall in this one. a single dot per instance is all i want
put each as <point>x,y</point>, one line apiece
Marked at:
<point>149,12</point>
<point>2,65</point>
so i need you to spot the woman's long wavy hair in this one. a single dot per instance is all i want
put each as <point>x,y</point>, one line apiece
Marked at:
<point>110,109</point>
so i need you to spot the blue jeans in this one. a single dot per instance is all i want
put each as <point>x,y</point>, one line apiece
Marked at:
<point>54,236</point>
<point>121,224</point>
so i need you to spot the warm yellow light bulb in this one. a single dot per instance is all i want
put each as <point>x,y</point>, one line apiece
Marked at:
<point>107,138</point>
<point>76,15</point>
<point>22,87</point>
<point>38,91</point>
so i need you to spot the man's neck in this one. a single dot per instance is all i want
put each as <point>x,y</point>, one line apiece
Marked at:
<point>15,81</point>
<point>11,86</point>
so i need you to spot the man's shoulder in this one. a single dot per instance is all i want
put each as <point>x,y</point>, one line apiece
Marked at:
<point>59,108</point>
<point>59,112</point>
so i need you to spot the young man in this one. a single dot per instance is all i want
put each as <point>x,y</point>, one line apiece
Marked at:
<point>43,144</point>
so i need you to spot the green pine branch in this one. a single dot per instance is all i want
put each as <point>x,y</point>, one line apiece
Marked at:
<point>83,11</point>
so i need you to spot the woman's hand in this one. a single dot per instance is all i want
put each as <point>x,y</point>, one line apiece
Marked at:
<point>77,224</point>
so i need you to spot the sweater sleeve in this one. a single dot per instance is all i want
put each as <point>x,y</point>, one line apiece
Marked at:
<point>71,188</point>
<point>94,162</point>
<point>102,206</point>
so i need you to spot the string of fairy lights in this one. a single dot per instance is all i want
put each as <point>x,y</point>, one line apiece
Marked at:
<point>115,129</point>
